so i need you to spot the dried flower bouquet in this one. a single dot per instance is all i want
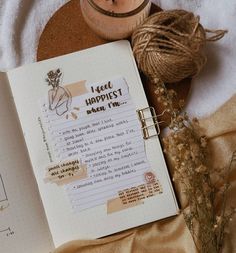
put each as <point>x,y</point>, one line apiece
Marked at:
<point>187,150</point>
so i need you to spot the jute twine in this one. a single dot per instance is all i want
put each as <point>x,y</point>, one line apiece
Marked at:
<point>169,45</point>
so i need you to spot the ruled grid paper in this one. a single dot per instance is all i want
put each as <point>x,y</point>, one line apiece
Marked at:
<point>108,141</point>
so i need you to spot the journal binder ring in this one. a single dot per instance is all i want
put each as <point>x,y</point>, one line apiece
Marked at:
<point>144,122</point>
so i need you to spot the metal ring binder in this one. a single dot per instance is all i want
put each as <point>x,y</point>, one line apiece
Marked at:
<point>151,115</point>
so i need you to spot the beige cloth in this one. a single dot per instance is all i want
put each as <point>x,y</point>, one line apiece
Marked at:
<point>172,235</point>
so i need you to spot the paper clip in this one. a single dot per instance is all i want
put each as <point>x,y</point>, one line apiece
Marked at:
<point>149,122</point>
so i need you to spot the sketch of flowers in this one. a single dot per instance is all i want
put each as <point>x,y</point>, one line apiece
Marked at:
<point>59,97</point>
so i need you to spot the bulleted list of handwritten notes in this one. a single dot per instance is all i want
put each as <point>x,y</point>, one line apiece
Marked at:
<point>96,123</point>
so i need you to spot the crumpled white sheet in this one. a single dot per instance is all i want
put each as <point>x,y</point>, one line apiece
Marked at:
<point>22,21</point>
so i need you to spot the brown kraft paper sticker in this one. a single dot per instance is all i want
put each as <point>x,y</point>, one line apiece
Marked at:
<point>134,196</point>
<point>66,172</point>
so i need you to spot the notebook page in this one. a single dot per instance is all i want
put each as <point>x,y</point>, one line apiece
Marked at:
<point>23,226</point>
<point>52,102</point>
<point>110,144</point>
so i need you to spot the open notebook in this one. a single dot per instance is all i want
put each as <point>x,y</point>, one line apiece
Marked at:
<point>80,125</point>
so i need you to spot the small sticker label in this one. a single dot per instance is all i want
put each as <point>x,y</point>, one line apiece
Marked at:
<point>150,177</point>
<point>135,195</point>
<point>66,172</point>
<point>140,192</point>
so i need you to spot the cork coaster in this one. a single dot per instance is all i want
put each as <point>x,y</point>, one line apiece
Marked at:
<point>67,32</point>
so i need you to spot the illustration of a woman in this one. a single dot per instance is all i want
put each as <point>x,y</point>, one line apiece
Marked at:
<point>59,98</point>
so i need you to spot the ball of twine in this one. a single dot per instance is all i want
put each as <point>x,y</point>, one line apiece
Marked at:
<point>168,46</point>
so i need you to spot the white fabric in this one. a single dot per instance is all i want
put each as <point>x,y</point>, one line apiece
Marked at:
<point>22,21</point>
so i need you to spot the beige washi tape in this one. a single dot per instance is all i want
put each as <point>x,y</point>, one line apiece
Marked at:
<point>66,172</point>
